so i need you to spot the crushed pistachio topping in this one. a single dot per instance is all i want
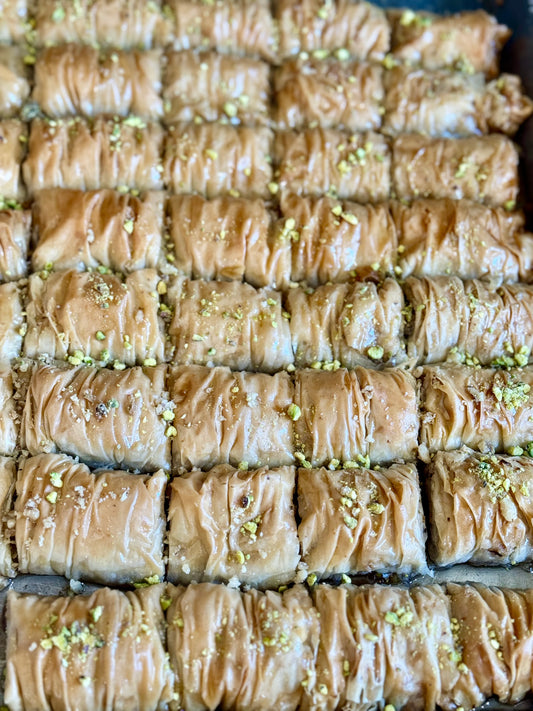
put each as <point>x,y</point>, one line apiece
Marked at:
<point>399,618</point>
<point>52,497</point>
<point>294,412</point>
<point>96,612</point>
<point>513,394</point>
<point>150,580</point>
<point>56,480</point>
<point>375,352</point>
<point>165,602</point>
<point>493,476</point>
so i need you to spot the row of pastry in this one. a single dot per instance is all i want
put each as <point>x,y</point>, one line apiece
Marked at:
<point>364,647</point>
<point>311,240</point>
<point>148,418</point>
<point>216,159</point>
<point>109,526</point>
<point>140,319</point>
<point>469,41</point>
<point>209,86</point>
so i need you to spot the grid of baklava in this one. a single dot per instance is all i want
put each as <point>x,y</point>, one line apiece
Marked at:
<point>262,265</point>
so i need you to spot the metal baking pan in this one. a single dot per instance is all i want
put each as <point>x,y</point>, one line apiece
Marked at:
<point>517,58</point>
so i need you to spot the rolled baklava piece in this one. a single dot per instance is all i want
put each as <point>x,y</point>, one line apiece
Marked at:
<point>85,155</point>
<point>12,322</point>
<point>469,240</point>
<point>215,160</point>
<point>88,317</point>
<point>236,651</point>
<point>102,416</point>
<point>104,526</point>
<point>228,323</point>
<point>115,23</point>
<point>382,645</point>
<point>15,226</point>
<point>229,524</point>
<point>373,518</point>
<point>482,408</point>
<point>442,103</point>
<point>208,86</point>
<point>480,508</point>
<point>72,79</point>
<point>329,93</point>
<point>9,415</point>
<point>326,161</point>
<point>88,652</point>
<point>241,27</point>
<point>352,324</point>
<point>7,489</point>
<point>74,229</point>
<point>14,80</point>
<point>451,318</point>
<point>228,239</point>
<point>231,418</point>
<point>334,241</point>
<point>484,169</point>
<point>14,14</point>
<point>356,416</point>
<point>492,628</point>
<point>467,41</point>
<point>356,29</point>
<point>13,139</point>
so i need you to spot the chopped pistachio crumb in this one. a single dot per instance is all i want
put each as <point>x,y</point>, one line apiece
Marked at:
<point>151,580</point>
<point>58,14</point>
<point>100,336</point>
<point>171,431</point>
<point>210,153</point>
<point>294,412</point>
<point>311,579</point>
<point>230,109</point>
<point>128,226</point>
<point>52,497</point>
<point>399,618</point>
<point>375,352</point>
<point>149,361</point>
<point>165,602</point>
<point>96,612</point>
<point>168,415</point>
<point>56,480</point>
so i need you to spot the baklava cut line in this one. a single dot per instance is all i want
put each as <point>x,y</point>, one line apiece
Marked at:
<point>215,647</point>
<point>314,240</point>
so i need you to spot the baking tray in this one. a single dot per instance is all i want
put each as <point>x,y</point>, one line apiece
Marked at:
<point>517,58</point>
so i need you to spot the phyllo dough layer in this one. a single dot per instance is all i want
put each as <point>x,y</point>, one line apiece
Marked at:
<point>331,94</point>
<point>228,524</point>
<point>352,324</point>
<point>14,84</point>
<point>74,229</point>
<point>7,489</point>
<point>460,237</point>
<point>450,318</point>
<point>231,418</point>
<point>481,508</point>
<point>15,227</point>
<point>228,239</point>
<point>87,155</point>
<point>336,241</point>
<point>383,645</point>
<point>217,159</point>
<point>104,527</point>
<point>228,323</point>
<point>102,416</point>
<point>465,41</point>
<point>87,653</point>
<point>361,520</point>
<point>102,317</point>
<point>13,13</point>
<point>12,322</point>
<point>317,161</point>
<point>72,79</point>
<point>208,86</point>
<point>13,137</point>
<point>239,651</point>
<point>481,408</point>
<point>355,416</point>
<point>482,168</point>
<point>9,415</point>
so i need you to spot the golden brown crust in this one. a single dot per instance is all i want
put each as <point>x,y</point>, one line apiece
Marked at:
<point>373,519</point>
<point>326,161</point>
<point>91,653</point>
<point>13,136</point>
<point>83,155</point>
<point>74,229</point>
<point>12,322</point>
<point>353,324</point>
<point>7,489</point>
<point>467,41</point>
<point>480,508</point>
<point>228,323</point>
<point>102,317</point>
<point>215,160</point>
<point>354,416</point>
<point>230,418</point>
<point>100,415</point>
<point>14,241</point>
<point>73,79</point>
<point>233,525</point>
<point>328,93</point>
<point>9,418</point>
<point>484,169</point>
<point>13,14</point>
<point>14,84</point>
<point>208,86</point>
